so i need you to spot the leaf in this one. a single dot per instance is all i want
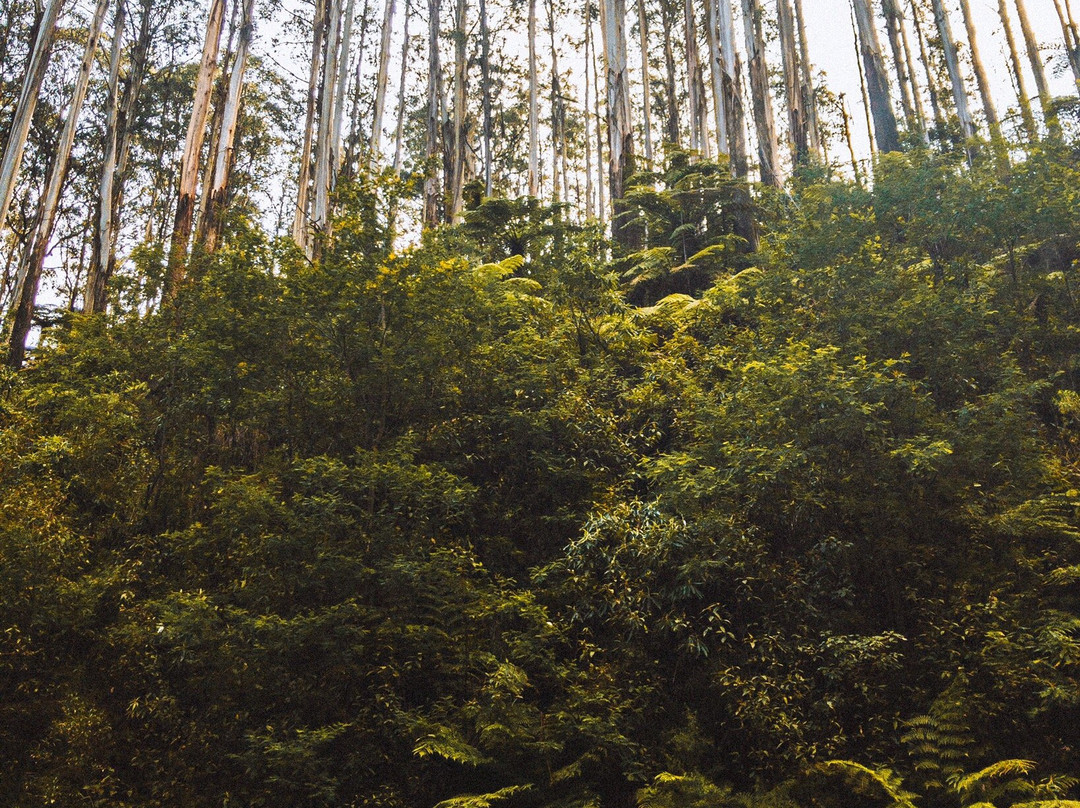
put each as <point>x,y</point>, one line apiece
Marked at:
<point>1003,768</point>
<point>482,800</point>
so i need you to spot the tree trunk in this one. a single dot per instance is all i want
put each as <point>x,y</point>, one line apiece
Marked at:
<point>695,79</point>
<point>862,84</point>
<point>670,92</point>
<point>892,28</point>
<point>716,72</point>
<point>95,298</point>
<point>981,77</point>
<point>381,81</point>
<point>798,125</point>
<point>226,151</point>
<point>601,210</point>
<point>189,164</point>
<point>400,129</point>
<point>806,73</point>
<point>620,126</point>
<point>325,146</point>
<point>877,82</point>
<point>1072,40</point>
<point>337,135</point>
<point>1032,46</point>
<point>646,92</point>
<point>29,276</point>
<point>590,211</point>
<point>1022,96</point>
<point>431,181</point>
<point>952,62</point>
<point>764,122</point>
<point>931,83</point>
<point>485,91</point>
<point>456,181</point>
<point>301,221</point>
<point>916,93</point>
<point>734,115</point>
<point>558,118</point>
<point>24,107</point>
<point>534,107</point>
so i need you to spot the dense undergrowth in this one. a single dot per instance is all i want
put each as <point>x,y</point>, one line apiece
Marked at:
<point>494,520</point>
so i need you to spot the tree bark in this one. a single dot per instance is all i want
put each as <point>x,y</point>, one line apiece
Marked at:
<point>877,83</point>
<point>400,130</point>
<point>806,74</point>
<point>381,81</point>
<point>646,92</point>
<point>952,62</point>
<point>981,77</point>
<point>892,29</point>
<point>1072,39</point>
<point>620,128</point>
<point>301,229</point>
<point>716,72</point>
<point>485,92</point>
<point>189,164</point>
<point>695,79</point>
<point>325,146</point>
<point>764,121</point>
<point>29,275</point>
<point>431,180</point>
<point>95,297</point>
<point>1023,98</point>
<point>931,83</point>
<point>590,211</point>
<point>534,107</point>
<point>734,115</point>
<point>24,107</point>
<point>456,181</point>
<point>670,92</point>
<point>798,124</point>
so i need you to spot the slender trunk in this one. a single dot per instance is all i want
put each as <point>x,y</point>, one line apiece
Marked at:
<point>95,298</point>
<point>300,228</point>
<point>400,130</point>
<point>798,134</point>
<point>380,83</point>
<point>1072,40</point>
<point>1032,47</point>
<point>601,210</point>
<point>590,211</point>
<point>716,72</point>
<point>217,116</point>
<point>325,146</point>
<point>620,127</point>
<point>916,92</point>
<point>931,83</point>
<point>646,92</point>
<point>189,164</point>
<point>29,275</point>
<point>485,91</point>
<point>695,79</point>
<point>952,62</point>
<point>456,181</point>
<point>223,160</point>
<point>24,107</point>
<point>534,107</point>
<point>893,22</point>
<point>981,77</point>
<point>337,135</point>
<point>862,86</point>
<point>806,73</point>
<point>764,123</point>
<point>847,137</point>
<point>733,102</point>
<point>670,92</point>
<point>877,82</point>
<point>431,181</point>
<point>1023,98</point>
<point>558,149</point>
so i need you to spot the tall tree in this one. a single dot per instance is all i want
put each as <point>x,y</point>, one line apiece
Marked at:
<point>877,82</point>
<point>25,106</point>
<point>458,145</point>
<point>301,219</point>
<point>807,81</point>
<point>381,80</point>
<point>695,79</point>
<point>671,93</point>
<point>734,115</point>
<point>534,106</point>
<point>646,93</point>
<point>399,131</point>
<point>931,81</point>
<point>29,276</point>
<point>431,177</point>
<point>764,123</point>
<point>982,79</point>
<point>620,125</point>
<point>1071,34</point>
<point>716,72</point>
<point>893,22</point>
<point>798,122</point>
<point>226,148</point>
<point>952,63</point>
<point>1023,98</point>
<point>485,92</point>
<point>94,299</point>
<point>189,163</point>
<point>325,145</point>
<point>1031,44</point>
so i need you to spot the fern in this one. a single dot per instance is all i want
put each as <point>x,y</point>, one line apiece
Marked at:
<point>938,741</point>
<point>995,771</point>
<point>482,800</point>
<point>444,742</point>
<point>865,780</point>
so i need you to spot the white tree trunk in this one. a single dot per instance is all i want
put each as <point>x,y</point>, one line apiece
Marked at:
<point>1023,98</point>
<point>646,92</point>
<point>29,276</point>
<point>764,121</point>
<point>734,114</point>
<point>381,81</point>
<point>716,72</point>
<point>981,77</point>
<point>877,82</point>
<point>952,62</point>
<point>456,180</point>
<point>400,130</point>
<point>24,107</point>
<point>325,148</point>
<point>699,139</point>
<point>300,229</point>
<point>534,107</point>
<point>431,180</point>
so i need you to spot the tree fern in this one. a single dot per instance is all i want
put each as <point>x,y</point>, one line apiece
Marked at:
<point>868,782</point>
<point>482,800</point>
<point>938,741</point>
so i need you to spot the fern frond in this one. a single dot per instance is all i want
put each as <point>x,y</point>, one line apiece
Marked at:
<point>864,778</point>
<point>448,744</point>
<point>482,800</point>
<point>1003,768</point>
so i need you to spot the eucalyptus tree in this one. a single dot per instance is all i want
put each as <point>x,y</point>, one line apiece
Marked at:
<point>25,106</point>
<point>33,261</point>
<point>646,94</point>
<point>1031,44</point>
<point>619,121</point>
<point>764,122</point>
<point>952,63</point>
<point>893,23</point>
<point>877,83</point>
<point>695,79</point>
<point>382,79</point>
<point>193,141</point>
<point>982,79</point>
<point>1023,98</point>
<point>431,176</point>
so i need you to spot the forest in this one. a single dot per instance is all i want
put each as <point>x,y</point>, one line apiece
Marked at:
<point>546,408</point>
